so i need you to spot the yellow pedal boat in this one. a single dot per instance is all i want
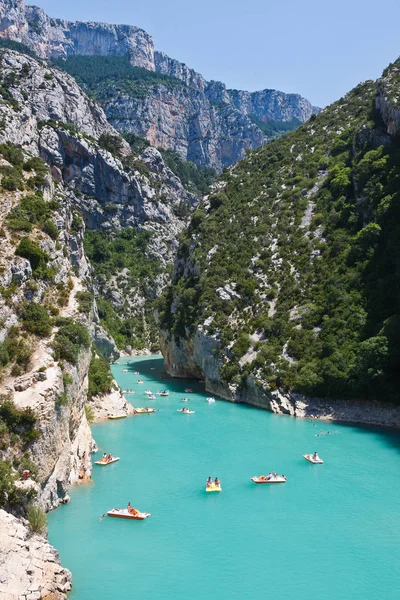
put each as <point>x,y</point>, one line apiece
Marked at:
<point>213,488</point>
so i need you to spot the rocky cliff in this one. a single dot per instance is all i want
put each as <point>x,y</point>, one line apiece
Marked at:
<point>247,311</point>
<point>48,115</point>
<point>203,121</point>
<point>62,165</point>
<point>54,37</point>
<point>30,567</point>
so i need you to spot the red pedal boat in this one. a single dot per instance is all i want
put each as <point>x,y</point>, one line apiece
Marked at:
<point>124,513</point>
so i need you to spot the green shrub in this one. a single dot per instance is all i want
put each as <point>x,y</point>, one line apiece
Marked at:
<point>85,300</point>
<point>69,340</point>
<point>100,377</point>
<point>13,182</point>
<point>33,252</point>
<point>61,400</point>
<point>35,319</point>
<point>20,423</point>
<point>7,479</point>
<point>112,143</point>
<point>37,519</point>
<point>12,153</point>
<point>89,412</point>
<point>67,379</point>
<point>51,229</point>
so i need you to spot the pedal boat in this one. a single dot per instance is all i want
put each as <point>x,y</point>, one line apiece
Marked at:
<point>210,400</point>
<point>312,460</point>
<point>213,488</point>
<point>186,412</point>
<point>277,479</point>
<point>164,394</point>
<point>103,463</point>
<point>188,390</point>
<point>143,411</point>
<point>136,373</point>
<point>148,392</point>
<point>185,400</point>
<point>124,370</point>
<point>123,513</point>
<point>115,417</point>
<point>151,397</point>
<point>140,381</point>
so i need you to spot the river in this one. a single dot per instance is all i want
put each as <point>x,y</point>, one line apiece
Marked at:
<point>331,532</point>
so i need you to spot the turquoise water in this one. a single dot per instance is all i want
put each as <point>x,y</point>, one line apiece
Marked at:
<point>331,532</point>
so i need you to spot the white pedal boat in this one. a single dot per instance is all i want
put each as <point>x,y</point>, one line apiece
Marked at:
<point>185,412</point>
<point>148,392</point>
<point>123,513</point>
<point>273,479</point>
<point>311,459</point>
<point>103,463</point>
<point>210,400</point>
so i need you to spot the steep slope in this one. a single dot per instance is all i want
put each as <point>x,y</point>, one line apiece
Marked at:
<point>287,278</point>
<point>46,112</point>
<point>62,165</point>
<point>172,105</point>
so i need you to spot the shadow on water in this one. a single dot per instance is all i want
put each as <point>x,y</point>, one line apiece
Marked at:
<point>144,367</point>
<point>154,367</point>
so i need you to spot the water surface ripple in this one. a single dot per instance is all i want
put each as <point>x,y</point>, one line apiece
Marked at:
<point>331,532</point>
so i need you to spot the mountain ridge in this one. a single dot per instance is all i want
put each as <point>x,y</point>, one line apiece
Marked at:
<point>204,122</point>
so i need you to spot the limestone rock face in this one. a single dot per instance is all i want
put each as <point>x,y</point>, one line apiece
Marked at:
<point>30,567</point>
<point>169,66</point>
<point>43,95</point>
<point>107,194</point>
<point>203,121</point>
<point>58,38</point>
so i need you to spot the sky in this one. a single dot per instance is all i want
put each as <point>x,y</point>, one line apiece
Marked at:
<point>318,49</point>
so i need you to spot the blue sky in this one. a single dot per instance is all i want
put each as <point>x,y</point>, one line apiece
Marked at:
<point>315,48</point>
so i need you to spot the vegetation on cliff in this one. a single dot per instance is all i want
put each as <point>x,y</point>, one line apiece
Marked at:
<point>293,263</point>
<point>101,380</point>
<point>102,76</point>
<point>124,256</point>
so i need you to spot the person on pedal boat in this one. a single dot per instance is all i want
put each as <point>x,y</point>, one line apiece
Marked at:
<point>131,510</point>
<point>209,482</point>
<point>315,456</point>
<point>217,482</point>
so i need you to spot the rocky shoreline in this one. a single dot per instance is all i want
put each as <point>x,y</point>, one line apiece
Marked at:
<point>196,358</point>
<point>30,567</point>
<point>113,403</point>
<point>358,412</point>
